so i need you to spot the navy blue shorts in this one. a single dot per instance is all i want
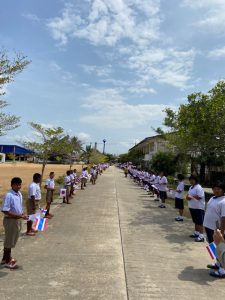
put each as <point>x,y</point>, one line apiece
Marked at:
<point>179,203</point>
<point>197,216</point>
<point>162,195</point>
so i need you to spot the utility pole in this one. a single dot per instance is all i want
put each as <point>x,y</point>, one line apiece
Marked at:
<point>104,141</point>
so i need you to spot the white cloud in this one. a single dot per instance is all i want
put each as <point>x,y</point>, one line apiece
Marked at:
<point>212,13</point>
<point>106,22</point>
<point>31,17</point>
<point>168,66</point>
<point>100,71</point>
<point>111,110</point>
<point>217,53</point>
<point>83,136</point>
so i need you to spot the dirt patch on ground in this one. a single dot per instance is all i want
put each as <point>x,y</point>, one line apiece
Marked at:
<point>25,171</point>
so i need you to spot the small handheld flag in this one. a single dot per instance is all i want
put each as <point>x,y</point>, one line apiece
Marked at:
<point>211,248</point>
<point>43,210</point>
<point>40,224</point>
<point>62,193</point>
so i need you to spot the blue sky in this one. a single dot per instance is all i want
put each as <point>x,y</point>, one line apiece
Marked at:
<point>108,68</point>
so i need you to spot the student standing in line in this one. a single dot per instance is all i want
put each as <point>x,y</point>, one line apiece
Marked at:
<point>50,187</point>
<point>34,197</point>
<point>67,185</point>
<point>93,175</point>
<point>13,213</point>
<point>196,204</point>
<point>84,178</point>
<point>156,189</point>
<point>72,182</point>
<point>220,246</point>
<point>162,189</point>
<point>214,219</point>
<point>179,198</point>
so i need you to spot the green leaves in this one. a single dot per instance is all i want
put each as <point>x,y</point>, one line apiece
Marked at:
<point>9,68</point>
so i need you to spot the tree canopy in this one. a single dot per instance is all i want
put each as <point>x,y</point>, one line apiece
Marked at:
<point>9,68</point>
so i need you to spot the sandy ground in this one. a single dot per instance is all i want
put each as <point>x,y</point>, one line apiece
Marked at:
<point>25,171</point>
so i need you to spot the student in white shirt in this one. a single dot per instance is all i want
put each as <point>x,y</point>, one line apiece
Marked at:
<point>179,198</point>
<point>196,204</point>
<point>215,219</point>
<point>67,185</point>
<point>84,178</point>
<point>156,187</point>
<point>34,196</point>
<point>72,182</point>
<point>13,213</point>
<point>162,189</point>
<point>50,187</point>
<point>93,175</point>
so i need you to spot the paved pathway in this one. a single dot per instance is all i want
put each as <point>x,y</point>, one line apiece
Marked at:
<point>113,242</point>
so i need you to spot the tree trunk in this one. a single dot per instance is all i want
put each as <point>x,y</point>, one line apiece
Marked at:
<point>42,172</point>
<point>202,172</point>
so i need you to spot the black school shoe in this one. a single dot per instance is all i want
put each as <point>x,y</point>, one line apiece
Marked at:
<point>217,274</point>
<point>213,267</point>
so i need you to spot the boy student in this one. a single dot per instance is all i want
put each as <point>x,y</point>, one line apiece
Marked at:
<point>196,204</point>
<point>13,213</point>
<point>93,174</point>
<point>34,197</point>
<point>50,187</point>
<point>162,189</point>
<point>84,178</point>
<point>72,182</point>
<point>67,185</point>
<point>214,219</point>
<point>179,197</point>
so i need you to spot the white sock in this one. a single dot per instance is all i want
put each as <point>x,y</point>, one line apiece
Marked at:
<point>197,233</point>
<point>221,271</point>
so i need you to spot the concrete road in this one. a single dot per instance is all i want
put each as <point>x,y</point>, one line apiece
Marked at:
<point>113,242</point>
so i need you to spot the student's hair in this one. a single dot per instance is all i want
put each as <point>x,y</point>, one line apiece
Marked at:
<point>68,172</point>
<point>219,184</point>
<point>16,180</point>
<point>51,173</point>
<point>75,170</point>
<point>180,177</point>
<point>36,176</point>
<point>195,178</point>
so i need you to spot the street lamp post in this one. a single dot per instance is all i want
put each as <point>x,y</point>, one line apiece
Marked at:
<point>104,141</point>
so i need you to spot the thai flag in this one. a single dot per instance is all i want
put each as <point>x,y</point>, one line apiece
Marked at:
<point>40,224</point>
<point>211,248</point>
<point>43,210</point>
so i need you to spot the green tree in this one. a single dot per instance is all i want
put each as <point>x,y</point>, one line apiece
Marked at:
<point>9,68</point>
<point>198,127</point>
<point>71,148</point>
<point>164,161</point>
<point>49,144</point>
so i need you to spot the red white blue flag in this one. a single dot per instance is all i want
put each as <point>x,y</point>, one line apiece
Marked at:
<point>40,224</point>
<point>211,248</point>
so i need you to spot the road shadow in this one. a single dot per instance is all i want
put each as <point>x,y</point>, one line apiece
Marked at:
<point>198,276</point>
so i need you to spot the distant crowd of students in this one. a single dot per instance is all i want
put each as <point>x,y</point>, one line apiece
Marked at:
<point>12,206</point>
<point>210,217</point>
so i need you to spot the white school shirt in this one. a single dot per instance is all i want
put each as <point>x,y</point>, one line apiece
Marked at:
<point>84,174</point>
<point>67,180</point>
<point>50,183</point>
<point>13,202</point>
<point>196,204</point>
<point>72,178</point>
<point>180,188</point>
<point>34,190</point>
<point>214,212</point>
<point>162,183</point>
